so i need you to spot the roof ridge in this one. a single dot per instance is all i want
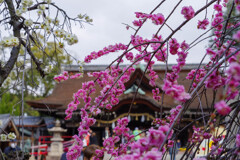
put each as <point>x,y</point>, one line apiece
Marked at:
<point>98,67</point>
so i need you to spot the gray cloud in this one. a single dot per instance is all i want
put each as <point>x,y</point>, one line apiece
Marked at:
<point>107,28</point>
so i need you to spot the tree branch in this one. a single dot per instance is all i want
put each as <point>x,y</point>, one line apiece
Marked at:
<point>35,60</point>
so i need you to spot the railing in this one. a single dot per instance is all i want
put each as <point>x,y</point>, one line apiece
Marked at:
<point>42,139</point>
<point>42,150</point>
<point>44,143</point>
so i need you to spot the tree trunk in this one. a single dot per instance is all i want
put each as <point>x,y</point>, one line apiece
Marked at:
<point>7,68</point>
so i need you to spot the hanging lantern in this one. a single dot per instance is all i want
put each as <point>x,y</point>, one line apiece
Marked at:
<point>129,118</point>
<point>148,118</point>
<point>136,118</point>
<point>142,118</point>
<point>113,125</point>
<point>115,116</point>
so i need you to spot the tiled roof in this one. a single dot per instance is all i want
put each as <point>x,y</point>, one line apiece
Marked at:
<point>63,91</point>
<point>27,120</point>
<point>49,121</point>
<point>34,121</point>
<point>103,67</point>
<point>5,119</point>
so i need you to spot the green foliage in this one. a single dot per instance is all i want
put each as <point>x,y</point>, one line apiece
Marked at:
<point>11,103</point>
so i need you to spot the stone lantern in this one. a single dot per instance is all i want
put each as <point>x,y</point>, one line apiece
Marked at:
<point>56,148</point>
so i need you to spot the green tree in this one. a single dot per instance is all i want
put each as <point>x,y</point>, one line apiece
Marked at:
<point>10,104</point>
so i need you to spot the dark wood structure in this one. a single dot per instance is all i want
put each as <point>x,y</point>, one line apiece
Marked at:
<point>144,109</point>
<point>7,125</point>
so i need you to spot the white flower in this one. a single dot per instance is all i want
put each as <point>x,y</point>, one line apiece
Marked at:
<point>42,7</point>
<point>7,42</point>
<point>71,39</point>
<point>11,135</point>
<point>24,9</point>
<point>90,20</point>
<point>61,45</point>
<point>59,33</point>
<point>10,41</point>
<point>28,22</point>
<point>42,25</point>
<point>68,36</point>
<point>56,32</point>
<point>48,20</point>
<point>74,39</point>
<point>47,29</point>
<point>39,12</point>
<point>56,22</point>
<point>81,69</point>
<point>18,12</point>
<point>14,41</point>
<point>62,33</point>
<point>80,16</point>
<point>87,18</point>
<point>3,137</point>
<point>27,3</point>
<point>48,1</point>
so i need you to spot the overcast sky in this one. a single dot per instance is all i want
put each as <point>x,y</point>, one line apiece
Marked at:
<point>107,28</point>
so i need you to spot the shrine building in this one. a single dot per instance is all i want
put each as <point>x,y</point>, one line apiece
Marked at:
<point>144,110</point>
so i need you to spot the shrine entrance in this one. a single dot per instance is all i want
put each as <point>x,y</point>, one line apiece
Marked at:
<point>143,111</point>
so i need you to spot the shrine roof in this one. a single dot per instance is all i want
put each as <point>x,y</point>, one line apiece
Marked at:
<point>4,121</point>
<point>103,67</point>
<point>27,121</point>
<point>34,121</point>
<point>63,91</point>
<point>7,120</point>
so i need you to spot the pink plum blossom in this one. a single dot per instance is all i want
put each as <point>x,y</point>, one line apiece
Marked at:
<point>238,140</point>
<point>234,71</point>
<point>188,12</point>
<point>158,19</point>
<point>236,36</point>
<point>137,23</point>
<point>218,7</point>
<point>222,108</point>
<point>203,24</point>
